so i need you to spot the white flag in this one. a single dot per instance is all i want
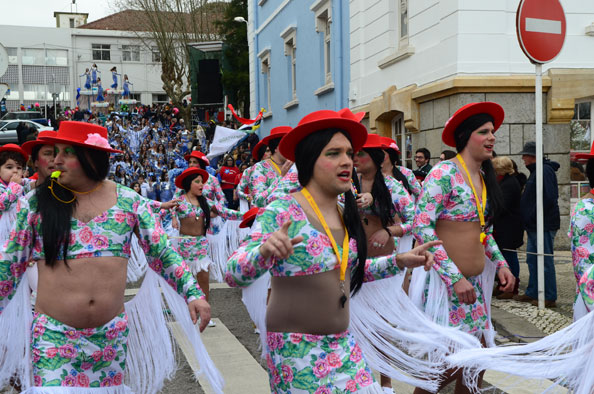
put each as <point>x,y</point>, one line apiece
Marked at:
<point>224,139</point>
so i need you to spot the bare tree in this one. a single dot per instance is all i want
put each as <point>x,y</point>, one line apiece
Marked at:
<point>170,26</point>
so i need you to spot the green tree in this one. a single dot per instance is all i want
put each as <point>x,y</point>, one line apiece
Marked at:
<point>236,76</point>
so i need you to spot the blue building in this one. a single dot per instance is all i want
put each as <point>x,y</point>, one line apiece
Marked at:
<point>299,58</point>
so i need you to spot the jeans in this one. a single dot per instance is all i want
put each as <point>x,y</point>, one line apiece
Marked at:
<point>512,261</point>
<point>231,203</point>
<point>549,266</point>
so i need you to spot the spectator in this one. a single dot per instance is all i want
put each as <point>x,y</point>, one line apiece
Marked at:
<point>447,155</point>
<point>228,173</point>
<point>422,157</point>
<point>551,225</point>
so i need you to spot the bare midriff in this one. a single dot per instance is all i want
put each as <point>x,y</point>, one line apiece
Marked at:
<point>372,225</point>
<point>191,226</point>
<point>308,304</point>
<point>86,294</point>
<point>462,244</point>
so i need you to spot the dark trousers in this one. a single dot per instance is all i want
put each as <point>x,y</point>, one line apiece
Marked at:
<point>231,203</point>
<point>549,266</point>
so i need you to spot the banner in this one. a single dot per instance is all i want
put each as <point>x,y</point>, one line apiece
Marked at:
<point>224,140</point>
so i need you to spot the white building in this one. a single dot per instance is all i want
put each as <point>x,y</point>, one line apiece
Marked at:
<point>414,63</point>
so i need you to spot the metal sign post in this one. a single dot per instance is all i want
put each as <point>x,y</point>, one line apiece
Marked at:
<point>539,187</point>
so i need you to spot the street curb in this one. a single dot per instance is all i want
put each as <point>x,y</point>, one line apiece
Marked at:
<point>513,327</point>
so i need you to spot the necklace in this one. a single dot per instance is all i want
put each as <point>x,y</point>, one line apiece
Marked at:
<point>480,205</point>
<point>345,243</point>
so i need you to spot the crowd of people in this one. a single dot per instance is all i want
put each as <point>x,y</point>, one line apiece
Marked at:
<point>349,261</point>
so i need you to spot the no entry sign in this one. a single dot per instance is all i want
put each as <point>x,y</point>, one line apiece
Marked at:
<point>541,27</point>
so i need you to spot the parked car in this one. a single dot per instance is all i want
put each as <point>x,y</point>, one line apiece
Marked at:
<point>8,128</point>
<point>34,116</point>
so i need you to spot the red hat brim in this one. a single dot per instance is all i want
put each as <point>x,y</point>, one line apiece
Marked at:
<point>15,148</point>
<point>486,107</point>
<point>355,130</point>
<point>55,140</point>
<point>29,145</point>
<point>190,171</point>
<point>201,158</point>
<point>277,132</point>
<point>249,217</point>
<point>374,141</point>
<point>584,156</point>
<point>256,149</point>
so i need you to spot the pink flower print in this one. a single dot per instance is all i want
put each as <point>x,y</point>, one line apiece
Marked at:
<point>296,213</point>
<point>334,360</point>
<point>131,218</point>
<point>82,380</point>
<point>275,340</point>
<point>459,178</point>
<point>271,175</point>
<point>269,362</point>
<point>13,233</point>
<point>430,207</point>
<point>461,313</point>
<point>588,285</point>
<point>36,355</point>
<point>23,237</point>
<point>67,351</point>
<point>440,255</point>
<point>97,355</point>
<point>118,378</point>
<point>423,218</point>
<point>120,217</point>
<point>313,269</point>
<point>106,382</point>
<point>156,265</point>
<point>51,352</point>
<point>16,270</point>
<point>15,188</point>
<point>69,381</point>
<point>436,174</point>
<point>287,373</point>
<point>356,354</point>
<point>295,338</point>
<point>96,139</point>
<point>155,237</point>
<point>313,338</point>
<point>282,217</point>
<point>480,310</point>
<point>473,314</point>
<point>438,198</point>
<point>112,333</point>
<point>454,319</point>
<point>229,278</point>
<point>38,330</point>
<point>321,368</point>
<point>87,332</point>
<point>72,239</point>
<point>584,239</point>
<point>121,326</point>
<point>86,365</point>
<point>85,235</point>
<point>126,248</point>
<point>323,390</point>
<point>37,381</point>
<point>314,246</point>
<point>100,242</point>
<point>351,386</point>
<point>72,334</point>
<point>101,218</point>
<point>248,270</point>
<point>363,378</point>
<point>276,378</point>
<point>582,252</point>
<point>109,353</point>
<point>179,271</point>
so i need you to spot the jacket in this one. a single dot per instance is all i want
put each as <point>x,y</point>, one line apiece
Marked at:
<point>552,218</point>
<point>508,228</point>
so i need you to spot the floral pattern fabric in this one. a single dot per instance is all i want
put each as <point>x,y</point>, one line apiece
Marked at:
<point>446,196</point>
<point>70,357</point>
<point>262,178</point>
<point>413,182</point>
<point>316,364</point>
<point>108,234</point>
<point>9,195</point>
<point>581,234</point>
<point>288,184</point>
<point>195,251</point>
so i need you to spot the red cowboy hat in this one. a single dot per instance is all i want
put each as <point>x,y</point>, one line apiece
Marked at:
<point>324,119</point>
<point>198,155</point>
<point>14,148</point>
<point>256,149</point>
<point>374,141</point>
<point>190,171</point>
<point>84,134</point>
<point>249,217</point>
<point>487,107</point>
<point>389,143</point>
<point>276,132</point>
<point>29,145</point>
<point>584,156</point>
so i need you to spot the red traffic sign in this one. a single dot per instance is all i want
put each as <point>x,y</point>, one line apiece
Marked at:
<point>541,28</point>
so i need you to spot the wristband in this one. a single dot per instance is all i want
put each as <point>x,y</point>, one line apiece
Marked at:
<point>388,231</point>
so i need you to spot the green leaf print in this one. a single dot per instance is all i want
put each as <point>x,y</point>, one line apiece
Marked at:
<point>51,364</point>
<point>297,351</point>
<point>305,380</point>
<point>53,383</point>
<point>55,338</point>
<point>101,365</point>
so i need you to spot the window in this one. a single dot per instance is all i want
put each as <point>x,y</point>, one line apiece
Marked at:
<point>265,67</point>
<point>581,141</point>
<point>130,53</point>
<point>289,36</point>
<point>156,55</point>
<point>56,57</point>
<point>135,96</point>
<point>101,51</point>
<point>160,98</point>
<point>403,24</point>
<point>31,56</point>
<point>35,92</point>
<point>71,23</point>
<point>12,55</point>
<point>323,15</point>
<point>403,140</point>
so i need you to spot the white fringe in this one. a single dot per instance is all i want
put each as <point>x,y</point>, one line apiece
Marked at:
<point>565,357</point>
<point>579,308</point>
<point>405,243</point>
<point>488,280</point>
<point>374,388</point>
<point>151,353</point>
<point>218,249</point>
<point>137,263</point>
<point>254,298</point>
<point>234,238</point>
<point>398,340</point>
<point>122,389</point>
<point>7,222</point>
<point>15,326</point>
<point>32,274</point>
<point>244,206</point>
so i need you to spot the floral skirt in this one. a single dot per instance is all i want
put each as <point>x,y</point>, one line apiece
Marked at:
<point>317,364</point>
<point>195,251</point>
<point>71,357</point>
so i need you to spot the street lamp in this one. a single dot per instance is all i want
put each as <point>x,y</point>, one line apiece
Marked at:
<point>240,19</point>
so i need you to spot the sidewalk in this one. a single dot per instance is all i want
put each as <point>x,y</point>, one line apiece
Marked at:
<point>522,322</point>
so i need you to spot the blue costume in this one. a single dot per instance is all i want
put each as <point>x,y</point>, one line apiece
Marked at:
<point>100,97</point>
<point>114,75</point>
<point>88,81</point>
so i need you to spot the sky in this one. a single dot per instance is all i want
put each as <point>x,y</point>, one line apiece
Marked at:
<point>41,12</point>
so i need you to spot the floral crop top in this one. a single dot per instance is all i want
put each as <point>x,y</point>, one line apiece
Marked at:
<point>186,209</point>
<point>413,182</point>
<point>261,178</point>
<point>108,234</point>
<point>10,194</point>
<point>403,204</point>
<point>581,235</point>
<point>446,196</point>
<point>312,256</point>
<point>288,184</point>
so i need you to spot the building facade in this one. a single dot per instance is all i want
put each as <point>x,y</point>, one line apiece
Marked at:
<point>299,56</point>
<point>414,63</point>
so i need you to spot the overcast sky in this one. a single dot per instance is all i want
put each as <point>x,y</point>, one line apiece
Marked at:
<point>41,12</point>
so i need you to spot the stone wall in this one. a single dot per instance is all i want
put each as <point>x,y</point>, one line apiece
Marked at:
<point>518,128</point>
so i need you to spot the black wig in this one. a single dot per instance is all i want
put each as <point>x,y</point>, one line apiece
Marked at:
<point>186,184</point>
<point>382,206</point>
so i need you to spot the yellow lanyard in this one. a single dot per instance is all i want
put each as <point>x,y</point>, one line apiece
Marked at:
<point>345,243</point>
<point>480,205</point>
<point>275,166</point>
